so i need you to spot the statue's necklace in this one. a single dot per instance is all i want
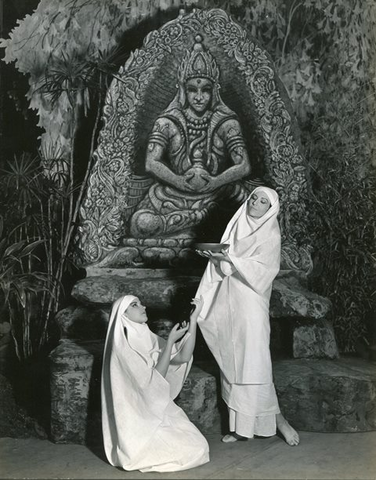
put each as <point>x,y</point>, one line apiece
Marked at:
<point>197,125</point>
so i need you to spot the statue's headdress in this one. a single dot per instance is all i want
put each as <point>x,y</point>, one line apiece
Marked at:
<point>198,63</point>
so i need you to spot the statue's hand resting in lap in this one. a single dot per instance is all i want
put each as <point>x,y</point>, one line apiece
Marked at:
<point>196,178</point>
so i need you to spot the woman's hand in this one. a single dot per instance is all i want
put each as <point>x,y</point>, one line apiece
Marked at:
<point>198,304</point>
<point>226,256</point>
<point>177,332</point>
<point>202,253</point>
<point>215,257</point>
<point>210,255</point>
<point>186,352</point>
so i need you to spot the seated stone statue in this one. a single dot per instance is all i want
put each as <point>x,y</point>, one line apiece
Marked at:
<point>196,152</point>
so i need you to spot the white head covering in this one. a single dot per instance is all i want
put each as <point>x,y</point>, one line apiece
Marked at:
<point>140,338</point>
<point>244,231</point>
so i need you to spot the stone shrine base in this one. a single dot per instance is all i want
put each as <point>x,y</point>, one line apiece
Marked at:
<point>327,395</point>
<point>317,395</point>
<point>318,391</point>
<point>314,395</point>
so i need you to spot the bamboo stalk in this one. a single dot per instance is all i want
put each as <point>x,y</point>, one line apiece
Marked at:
<point>89,166</point>
<point>13,332</point>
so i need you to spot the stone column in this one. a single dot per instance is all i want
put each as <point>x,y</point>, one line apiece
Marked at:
<point>71,367</point>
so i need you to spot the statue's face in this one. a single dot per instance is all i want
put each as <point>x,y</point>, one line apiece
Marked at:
<point>199,93</point>
<point>258,204</point>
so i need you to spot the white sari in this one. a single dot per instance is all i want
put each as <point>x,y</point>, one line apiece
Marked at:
<point>235,318</point>
<point>143,429</point>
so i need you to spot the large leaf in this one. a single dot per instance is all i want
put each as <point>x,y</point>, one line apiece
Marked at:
<point>31,247</point>
<point>14,249</point>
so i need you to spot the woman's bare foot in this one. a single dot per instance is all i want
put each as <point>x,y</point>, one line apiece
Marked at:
<point>290,435</point>
<point>233,437</point>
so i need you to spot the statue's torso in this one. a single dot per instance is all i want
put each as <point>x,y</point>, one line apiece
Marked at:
<point>184,139</point>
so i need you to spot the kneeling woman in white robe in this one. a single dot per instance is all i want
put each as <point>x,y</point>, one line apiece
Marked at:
<point>234,320</point>
<point>143,429</point>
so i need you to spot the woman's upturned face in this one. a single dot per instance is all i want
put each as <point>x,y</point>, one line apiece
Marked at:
<point>199,93</point>
<point>136,312</point>
<point>258,204</point>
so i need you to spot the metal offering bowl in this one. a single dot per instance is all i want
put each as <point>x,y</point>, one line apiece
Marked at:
<point>213,247</point>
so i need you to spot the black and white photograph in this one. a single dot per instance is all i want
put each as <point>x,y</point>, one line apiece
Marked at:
<point>188,239</point>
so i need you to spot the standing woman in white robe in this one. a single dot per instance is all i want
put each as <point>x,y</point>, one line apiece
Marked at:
<point>143,429</point>
<point>234,320</point>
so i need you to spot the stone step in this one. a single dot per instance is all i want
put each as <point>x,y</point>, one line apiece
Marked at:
<point>167,291</point>
<point>321,395</point>
<point>315,395</point>
<point>290,337</point>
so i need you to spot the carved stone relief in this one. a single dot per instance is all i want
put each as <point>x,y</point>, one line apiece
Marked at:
<point>139,213</point>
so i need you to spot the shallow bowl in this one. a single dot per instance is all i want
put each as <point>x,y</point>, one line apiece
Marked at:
<point>212,247</point>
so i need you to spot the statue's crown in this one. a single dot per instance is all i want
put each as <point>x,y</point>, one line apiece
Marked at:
<point>198,63</point>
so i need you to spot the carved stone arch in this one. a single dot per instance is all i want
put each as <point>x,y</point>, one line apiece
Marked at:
<point>146,85</point>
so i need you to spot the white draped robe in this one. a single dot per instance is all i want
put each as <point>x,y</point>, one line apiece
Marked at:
<point>143,429</point>
<point>235,319</point>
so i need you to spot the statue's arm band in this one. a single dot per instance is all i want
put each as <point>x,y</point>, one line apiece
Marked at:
<point>235,142</point>
<point>156,137</point>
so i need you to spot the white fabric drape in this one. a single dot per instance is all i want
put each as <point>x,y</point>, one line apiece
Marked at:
<point>143,429</point>
<point>235,316</point>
